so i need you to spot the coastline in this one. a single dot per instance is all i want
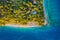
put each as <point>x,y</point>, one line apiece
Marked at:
<point>26,26</point>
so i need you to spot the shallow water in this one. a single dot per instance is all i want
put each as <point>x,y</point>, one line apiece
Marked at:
<point>48,32</point>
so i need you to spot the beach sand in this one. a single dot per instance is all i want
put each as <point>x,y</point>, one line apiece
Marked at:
<point>29,24</point>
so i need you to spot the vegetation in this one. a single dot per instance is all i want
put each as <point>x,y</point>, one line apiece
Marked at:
<point>21,12</point>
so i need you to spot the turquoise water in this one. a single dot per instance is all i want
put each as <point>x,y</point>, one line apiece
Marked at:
<point>47,32</point>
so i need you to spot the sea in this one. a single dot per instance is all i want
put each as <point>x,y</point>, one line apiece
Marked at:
<point>46,32</point>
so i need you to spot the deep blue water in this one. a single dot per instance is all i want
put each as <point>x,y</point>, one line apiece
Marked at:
<point>48,32</point>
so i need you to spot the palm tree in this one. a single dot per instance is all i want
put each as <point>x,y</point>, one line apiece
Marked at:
<point>0,13</point>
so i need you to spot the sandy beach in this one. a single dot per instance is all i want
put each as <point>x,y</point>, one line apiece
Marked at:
<point>30,24</point>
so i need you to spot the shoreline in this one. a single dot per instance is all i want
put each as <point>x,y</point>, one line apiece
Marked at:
<point>25,26</point>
